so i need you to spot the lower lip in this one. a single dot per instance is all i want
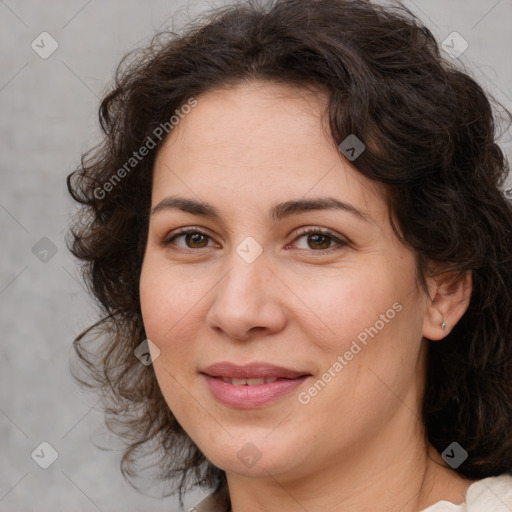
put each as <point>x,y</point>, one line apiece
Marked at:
<point>251,397</point>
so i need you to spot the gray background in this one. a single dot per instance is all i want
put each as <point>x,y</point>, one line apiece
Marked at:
<point>48,118</point>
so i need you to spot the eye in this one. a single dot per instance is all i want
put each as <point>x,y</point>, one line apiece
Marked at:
<point>192,236</point>
<point>319,240</point>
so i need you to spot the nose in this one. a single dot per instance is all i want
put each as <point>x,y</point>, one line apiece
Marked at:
<point>247,301</point>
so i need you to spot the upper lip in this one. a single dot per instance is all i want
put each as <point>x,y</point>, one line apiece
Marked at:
<point>251,371</point>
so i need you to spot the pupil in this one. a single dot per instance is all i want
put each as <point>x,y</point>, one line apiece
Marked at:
<point>194,236</point>
<point>321,236</point>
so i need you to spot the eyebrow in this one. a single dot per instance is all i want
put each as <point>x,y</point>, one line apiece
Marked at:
<point>278,212</point>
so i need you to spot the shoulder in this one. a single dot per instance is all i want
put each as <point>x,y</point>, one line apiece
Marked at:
<point>493,494</point>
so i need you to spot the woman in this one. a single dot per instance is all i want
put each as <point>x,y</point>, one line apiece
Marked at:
<point>296,216</point>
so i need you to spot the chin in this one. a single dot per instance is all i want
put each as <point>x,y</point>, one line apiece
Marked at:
<point>254,460</point>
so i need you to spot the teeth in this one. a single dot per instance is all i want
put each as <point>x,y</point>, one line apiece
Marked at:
<point>249,382</point>
<point>255,382</point>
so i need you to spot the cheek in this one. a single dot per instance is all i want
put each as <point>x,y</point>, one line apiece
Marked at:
<point>374,348</point>
<point>344,304</point>
<point>162,307</point>
<point>150,292</point>
<point>167,298</point>
<point>170,310</point>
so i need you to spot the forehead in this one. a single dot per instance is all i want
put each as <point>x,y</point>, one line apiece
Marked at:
<point>261,140</point>
<point>235,123</point>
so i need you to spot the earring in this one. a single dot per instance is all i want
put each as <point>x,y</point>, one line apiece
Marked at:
<point>443,325</point>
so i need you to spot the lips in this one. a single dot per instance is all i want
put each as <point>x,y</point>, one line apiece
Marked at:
<point>251,386</point>
<point>250,371</point>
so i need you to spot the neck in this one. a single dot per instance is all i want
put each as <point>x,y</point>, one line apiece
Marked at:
<point>397,472</point>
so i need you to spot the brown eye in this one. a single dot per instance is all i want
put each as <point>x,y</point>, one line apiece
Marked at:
<point>194,239</point>
<point>319,241</point>
<point>197,239</point>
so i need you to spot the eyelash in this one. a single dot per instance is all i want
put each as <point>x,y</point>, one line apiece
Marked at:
<point>307,231</point>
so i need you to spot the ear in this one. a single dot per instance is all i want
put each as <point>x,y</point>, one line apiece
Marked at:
<point>450,293</point>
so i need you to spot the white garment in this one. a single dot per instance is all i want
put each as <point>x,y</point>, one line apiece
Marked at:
<point>493,494</point>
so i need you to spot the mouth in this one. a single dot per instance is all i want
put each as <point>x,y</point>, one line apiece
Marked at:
<point>251,386</point>
<point>255,370</point>
<point>248,382</point>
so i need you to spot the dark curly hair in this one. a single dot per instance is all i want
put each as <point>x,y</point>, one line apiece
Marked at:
<point>430,137</point>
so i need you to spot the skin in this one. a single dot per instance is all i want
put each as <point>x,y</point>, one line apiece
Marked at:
<point>360,441</point>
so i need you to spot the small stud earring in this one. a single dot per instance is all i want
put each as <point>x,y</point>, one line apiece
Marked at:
<point>443,325</point>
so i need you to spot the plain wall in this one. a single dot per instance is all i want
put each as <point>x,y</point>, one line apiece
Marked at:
<point>48,118</point>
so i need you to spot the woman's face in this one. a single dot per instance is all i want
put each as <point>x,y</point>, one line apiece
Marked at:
<point>334,319</point>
